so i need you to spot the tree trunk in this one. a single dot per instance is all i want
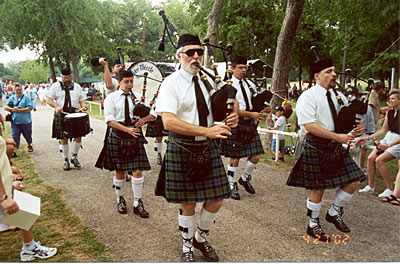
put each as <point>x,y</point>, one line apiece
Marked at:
<point>212,30</point>
<point>343,77</point>
<point>72,57</point>
<point>53,71</point>
<point>283,56</point>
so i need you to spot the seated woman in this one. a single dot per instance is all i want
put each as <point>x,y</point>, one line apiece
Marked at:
<point>395,197</point>
<point>387,149</point>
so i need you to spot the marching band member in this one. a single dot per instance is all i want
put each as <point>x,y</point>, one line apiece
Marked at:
<point>192,170</point>
<point>245,141</point>
<point>124,147</point>
<point>111,81</point>
<point>324,163</point>
<point>66,97</point>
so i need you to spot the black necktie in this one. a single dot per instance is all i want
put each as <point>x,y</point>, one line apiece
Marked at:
<point>332,107</point>
<point>201,103</point>
<point>127,116</point>
<point>244,96</point>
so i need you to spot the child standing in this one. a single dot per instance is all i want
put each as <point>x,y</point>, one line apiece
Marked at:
<point>280,125</point>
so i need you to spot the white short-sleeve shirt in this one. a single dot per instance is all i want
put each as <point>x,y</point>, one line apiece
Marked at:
<point>239,94</point>
<point>312,107</point>
<point>281,122</point>
<point>177,96</point>
<point>58,95</point>
<point>115,87</point>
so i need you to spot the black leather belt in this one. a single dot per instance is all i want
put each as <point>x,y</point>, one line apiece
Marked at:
<point>320,139</point>
<point>194,138</point>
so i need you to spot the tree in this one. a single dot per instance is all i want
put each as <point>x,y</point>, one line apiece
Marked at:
<point>212,31</point>
<point>33,72</point>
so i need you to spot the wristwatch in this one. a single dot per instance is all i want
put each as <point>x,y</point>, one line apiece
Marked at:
<point>3,198</point>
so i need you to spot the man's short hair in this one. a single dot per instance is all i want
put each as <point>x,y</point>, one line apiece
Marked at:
<point>378,85</point>
<point>395,91</point>
<point>124,74</point>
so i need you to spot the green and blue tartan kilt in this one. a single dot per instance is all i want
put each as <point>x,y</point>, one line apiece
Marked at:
<point>176,186</point>
<point>155,128</point>
<point>233,147</point>
<point>113,161</point>
<point>58,126</point>
<point>307,172</point>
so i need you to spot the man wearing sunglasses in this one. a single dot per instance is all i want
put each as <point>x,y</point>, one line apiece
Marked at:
<point>245,141</point>
<point>185,107</point>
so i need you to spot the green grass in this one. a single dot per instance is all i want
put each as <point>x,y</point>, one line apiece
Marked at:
<point>58,226</point>
<point>95,113</point>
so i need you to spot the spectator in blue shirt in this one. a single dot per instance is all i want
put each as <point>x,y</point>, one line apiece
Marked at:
<point>20,106</point>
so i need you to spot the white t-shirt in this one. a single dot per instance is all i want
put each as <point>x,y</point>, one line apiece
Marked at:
<point>312,107</point>
<point>239,94</point>
<point>58,95</point>
<point>177,96</point>
<point>281,122</point>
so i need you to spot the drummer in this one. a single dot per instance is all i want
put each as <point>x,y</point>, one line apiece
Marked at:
<point>66,97</point>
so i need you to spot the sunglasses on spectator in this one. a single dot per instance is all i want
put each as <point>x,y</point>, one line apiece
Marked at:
<point>191,52</point>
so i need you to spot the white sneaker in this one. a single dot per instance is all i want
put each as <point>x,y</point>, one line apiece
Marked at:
<point>367,189</point>
<point>37,252</point>
<point>386,193</point>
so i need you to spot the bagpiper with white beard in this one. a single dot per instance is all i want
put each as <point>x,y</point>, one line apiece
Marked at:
<point>192,171</point>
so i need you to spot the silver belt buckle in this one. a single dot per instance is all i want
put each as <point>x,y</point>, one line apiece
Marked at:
<point>200,138</point>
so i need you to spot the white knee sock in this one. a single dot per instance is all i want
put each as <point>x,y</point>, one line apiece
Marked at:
<point>340,200</point>
<point>158,147</point>
<point>232,175</point>
<point>186,225</point>
<point>75,147</point>
<point>119,186</point>
<point>205,222</point>
<point>64,151</point>
<point>137,188</point>
<point>248,170</point>
<point>315,208</point>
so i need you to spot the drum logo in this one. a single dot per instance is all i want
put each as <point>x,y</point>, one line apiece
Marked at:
<point>143,67</point>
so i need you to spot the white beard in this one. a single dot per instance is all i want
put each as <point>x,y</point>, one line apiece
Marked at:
<point>186,67</point>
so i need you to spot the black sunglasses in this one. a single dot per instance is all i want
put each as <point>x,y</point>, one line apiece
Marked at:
<point>191,52</point>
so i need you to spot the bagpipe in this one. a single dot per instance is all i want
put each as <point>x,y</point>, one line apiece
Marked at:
<point>223,96</point>
<point>140,110</point>
<point>261,97</point>
<point>349,116</point>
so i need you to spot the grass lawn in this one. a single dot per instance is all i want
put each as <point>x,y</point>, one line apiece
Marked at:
<point>58,225</point>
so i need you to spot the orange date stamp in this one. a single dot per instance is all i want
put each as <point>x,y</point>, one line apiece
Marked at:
<point>334,238</point>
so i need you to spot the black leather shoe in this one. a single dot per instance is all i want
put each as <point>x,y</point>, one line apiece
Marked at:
<point>235,192</point>
<point>66,166</point>
<point>207,250</point>
<point>247,185</point>
<point>316,232</point>
<point>76,163</point>
<point>121,207</point>
<point>338,222</point>
<point>187,256</point>
<point>159,159</point>
<point>140,211</point>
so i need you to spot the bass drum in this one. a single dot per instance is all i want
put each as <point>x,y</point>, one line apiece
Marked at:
<point>154,78</point>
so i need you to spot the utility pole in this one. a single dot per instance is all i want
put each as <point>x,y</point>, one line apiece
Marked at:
<point>144,39</point>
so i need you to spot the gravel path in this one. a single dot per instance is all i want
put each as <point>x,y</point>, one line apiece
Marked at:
<point>265,227</point>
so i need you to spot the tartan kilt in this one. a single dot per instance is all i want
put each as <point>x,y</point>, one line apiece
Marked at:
<point>233,147</point>
<point>155,128</point>
<point>307,172</point>
<point>112,160</point>
<point>58,126</point>
<point>177,187</point>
